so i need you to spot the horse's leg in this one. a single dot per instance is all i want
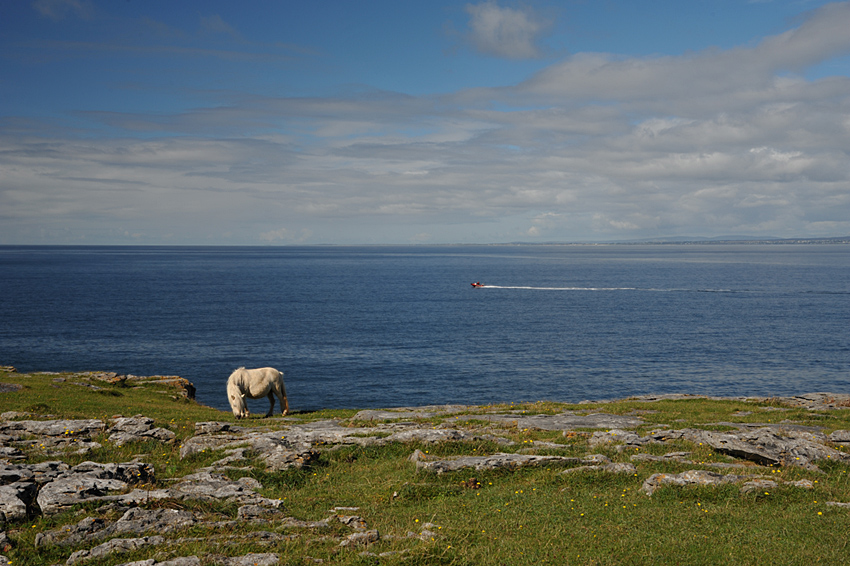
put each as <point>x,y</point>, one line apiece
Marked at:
<point>284,403</point>
<point>271,406</point>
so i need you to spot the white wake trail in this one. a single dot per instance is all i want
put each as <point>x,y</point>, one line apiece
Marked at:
<point>565,288</point>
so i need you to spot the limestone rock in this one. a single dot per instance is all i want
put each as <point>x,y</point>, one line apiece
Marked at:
<point>361,538</point>
<point>15,498</point>
<point>209,427</point>
<point>253,512</point>
<point>181,561</point>
<point>614,436</point>
<point>565,421</point>
<point>840,437</point>
<point>767,447</point>
<point>266,559</point>
<point>88,481</point>
<point>11,453</point>
<point>83,427</point>
<point>758,485</point>
<point>207,486</point>
<point>71,535</point>
<point>118,545</point>
<point>691,477</point>
<point>493,462</point>
<point>136,429</point>
<point>670,456</point>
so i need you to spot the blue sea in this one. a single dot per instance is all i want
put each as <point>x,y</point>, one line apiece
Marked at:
<point>368,327</point>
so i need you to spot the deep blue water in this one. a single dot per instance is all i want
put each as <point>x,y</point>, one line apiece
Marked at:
<point>394,326</point>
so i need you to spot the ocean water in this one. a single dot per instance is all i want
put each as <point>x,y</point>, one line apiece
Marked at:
<point>392,326</point>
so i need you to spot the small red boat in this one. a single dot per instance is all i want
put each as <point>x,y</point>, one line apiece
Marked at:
<point>477,284</point>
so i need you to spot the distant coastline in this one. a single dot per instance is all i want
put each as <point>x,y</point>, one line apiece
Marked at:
<point>685,241</point>
<point>672,240</point>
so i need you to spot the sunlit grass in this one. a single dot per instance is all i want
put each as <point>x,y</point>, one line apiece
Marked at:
<point>528,516</point>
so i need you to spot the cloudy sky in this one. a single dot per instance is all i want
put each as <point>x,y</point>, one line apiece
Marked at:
<point>312,122</point>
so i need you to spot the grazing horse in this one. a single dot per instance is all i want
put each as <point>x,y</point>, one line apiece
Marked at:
<point>254,384</point>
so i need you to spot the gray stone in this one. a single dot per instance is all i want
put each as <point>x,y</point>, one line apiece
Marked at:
<point>353,521</point>
<point>424,412</point>
<point>614,436</point>
<point>378,415</point>
<point>254,512</point>
<point>493,462</point>
<point>689,478</point>
<point>83,427</point>
<point>210,427</point>
<point>41,473</point>
<point>265,559</point>
<point>292,522</point>
<point>430,436</point>
<point>565,421</point>
<point>139,521</point>
<point>71,535</point>
<point>361,538</point>
<point>208,486</point>
<point>133,425</point>
<point>840,436</point>
<point>11,453</point>
<point>670,456</point>
<point>758,485</point>
<point>14,500</point>
<point>90,481</point>
<point>137,429</point>
<point>766,447</point>
<point>114,546</point>
<point>181,561</point>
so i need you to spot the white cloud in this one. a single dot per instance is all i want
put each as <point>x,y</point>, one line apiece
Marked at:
<point>504,32</point>
<point>711,143</point>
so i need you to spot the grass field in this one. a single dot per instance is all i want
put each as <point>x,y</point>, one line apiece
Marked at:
<point>527,516</point>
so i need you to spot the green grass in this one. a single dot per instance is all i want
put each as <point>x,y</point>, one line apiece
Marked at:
<point>529,516</point>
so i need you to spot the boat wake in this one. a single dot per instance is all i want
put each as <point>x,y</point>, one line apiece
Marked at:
<point>644,289</point>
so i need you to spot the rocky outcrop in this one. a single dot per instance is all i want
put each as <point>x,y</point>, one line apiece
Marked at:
<point>708,478</point>
<point>565,421</point>
<point>152,511</point>
<point>136,429</point>
<point>90,481</point>
<point>114,546</point>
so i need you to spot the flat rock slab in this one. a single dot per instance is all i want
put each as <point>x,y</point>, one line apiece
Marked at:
<point>135,521</point>
<point>563,421</point>
<point>90,480</point>
<point>689,478</point>
<point>82,427</point>
<point>496,462</point>
<point>114,546</point>
<point>707,478</point>
<point>424,412</point>
<point>253,559</point>
<point>181,561</point>
<point>765,446</point>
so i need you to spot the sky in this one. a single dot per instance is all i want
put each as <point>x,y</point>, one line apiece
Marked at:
<point>283,122</point>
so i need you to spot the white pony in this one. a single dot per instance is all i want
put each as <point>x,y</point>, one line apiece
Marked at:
<point>254,384</point>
